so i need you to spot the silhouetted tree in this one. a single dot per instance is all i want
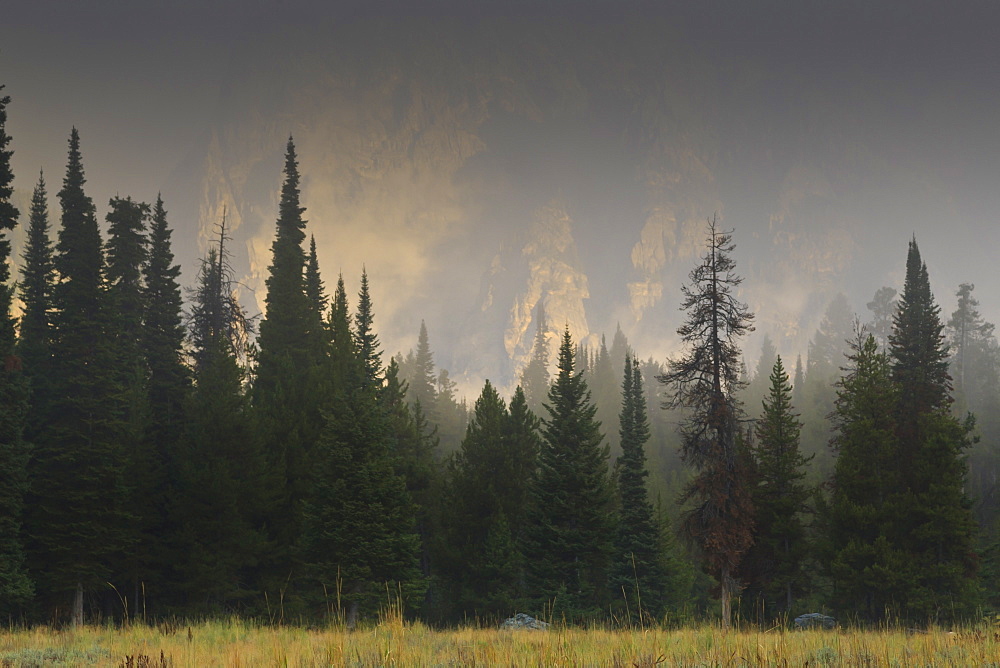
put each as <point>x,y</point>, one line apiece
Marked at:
<point>704,381</point>
<point>15,585</point>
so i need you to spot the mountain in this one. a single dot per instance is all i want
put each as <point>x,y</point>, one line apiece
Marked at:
<point>480,165</point>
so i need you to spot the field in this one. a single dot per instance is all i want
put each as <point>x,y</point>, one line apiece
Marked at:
<point>394,643</point>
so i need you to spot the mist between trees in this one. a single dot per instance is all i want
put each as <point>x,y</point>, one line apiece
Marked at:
<point>162,460</point>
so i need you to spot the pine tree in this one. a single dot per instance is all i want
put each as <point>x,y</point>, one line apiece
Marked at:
<point>318,333</point>
<point>639,570</point>
<point>535,376</point>
<point>126,254</point>
<point>476,473</point>
<point>78,515</point>
<point>168,383</point>
<point>414,444</point>
<point>568,541</point>
<point>938,530</point>
<point>15,585</point>
<point>779,499</point>
<point>452,415</point>
<point>869,569</point>
<point>423,380</point>
<point>606,388</point>
<point>219,510</point>
<point>919,355</point>
<point>523,443</point>
<point>883,307</point>
<point>366,340</point>
<point>343,353</point>
<point>359,535</point>
<point>975,366</point>
<point>284,394</point>
<point>969,337</point>
<point>37,280</point>
<point>704,381</point>
<point>163,337</point>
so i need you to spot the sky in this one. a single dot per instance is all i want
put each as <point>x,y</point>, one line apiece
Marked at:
<point>479,157</point>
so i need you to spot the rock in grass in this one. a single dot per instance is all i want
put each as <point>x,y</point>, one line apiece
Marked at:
<point>815,620</point>
<point>523,621</point>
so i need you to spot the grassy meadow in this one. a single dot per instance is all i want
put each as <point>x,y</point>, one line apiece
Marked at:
<point>396,643</point>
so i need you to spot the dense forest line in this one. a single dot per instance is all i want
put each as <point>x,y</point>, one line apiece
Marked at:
<point>158,461</point>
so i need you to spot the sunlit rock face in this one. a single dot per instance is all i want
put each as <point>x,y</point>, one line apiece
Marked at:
<point>477,169</point>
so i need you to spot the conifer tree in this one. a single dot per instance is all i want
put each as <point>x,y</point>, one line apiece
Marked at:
<point>168,382</point>
<point>342,349</point>
<point>220,507</point>
<point>523,443</point>
<point>163,338</point>
<point>704,381</point>
<point>78,515</point>
<point>414,444</point>
<point>38,276</point>
<point>476,473</point>
<point>938,530</point>
<point>916,345</point>
<point>366,340</point>
<point>423,380</point>
<point>126,254</point>
<point>285,395</point>
<point>883,307</point>
<point>535,376</point>
<point>639,570</point>
<point>15,585</point>
<point>779,498</point>
<point>606,389</point>
<point>318,333</point>
<point>358,519</point>
<point>568,541</point>
<point>869,569</point>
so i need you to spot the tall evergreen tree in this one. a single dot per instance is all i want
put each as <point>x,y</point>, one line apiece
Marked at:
<point>126,254</point>
<point>219,511</point>
<point>78,513</point>
<point>639,571</point>
<point>422,378</point>
<point>163,337</point>
<point>15,585</point>
<point>342,350</point>
<point>704,381</point>
<point>919,354</point>
<point>168,382</point>
<point>883,307</point>
<point>285,395</point>
<point>938,532</point>
<point>476,473</point>
<point>366,340</point>
<point>606,388</point>
<point>868,567</point>
<point>777,558</point>
<point>568,538</point>
<point>359,535</point>
<point>535,376</point>
<point>414,445</point>
<point>37,279</point>
<point>316,296</point>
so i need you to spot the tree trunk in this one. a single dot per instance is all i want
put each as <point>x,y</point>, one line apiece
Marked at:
<point>352,610</point>
<point>726,597</point>
<point>78,606</point>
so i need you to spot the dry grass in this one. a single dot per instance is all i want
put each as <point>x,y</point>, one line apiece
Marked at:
<point>395,643</point>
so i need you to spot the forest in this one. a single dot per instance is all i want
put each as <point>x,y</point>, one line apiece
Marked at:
<point>165,454</point>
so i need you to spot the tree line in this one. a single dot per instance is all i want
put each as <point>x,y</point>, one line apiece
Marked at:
<point>160,461</point>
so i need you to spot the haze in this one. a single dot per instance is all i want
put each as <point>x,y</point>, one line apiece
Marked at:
<point>481,157</point>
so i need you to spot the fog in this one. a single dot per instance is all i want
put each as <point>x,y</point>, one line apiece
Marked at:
<point>478,158</point>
